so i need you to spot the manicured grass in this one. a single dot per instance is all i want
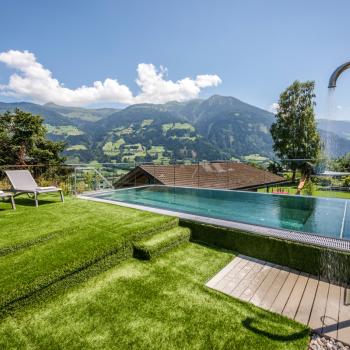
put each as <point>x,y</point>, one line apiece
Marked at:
<point>161,242</point>
<point>65,284</point>
<point>317,193</point>
<point>332,194</point>
<point>80,242</point>
<point>28,225</point>
<point>162,304</point>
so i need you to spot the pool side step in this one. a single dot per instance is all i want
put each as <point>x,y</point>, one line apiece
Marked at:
<point>161,242</point>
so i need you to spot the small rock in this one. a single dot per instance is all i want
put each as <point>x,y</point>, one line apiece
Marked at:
<point>319,341</point>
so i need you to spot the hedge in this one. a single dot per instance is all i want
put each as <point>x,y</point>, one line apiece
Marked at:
<point>329,264</point>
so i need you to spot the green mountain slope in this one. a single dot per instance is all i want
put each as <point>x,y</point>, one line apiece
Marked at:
<point>51,117</point>
<point>87,114</point>
<point>338,127</point>
<point>216,128</point>
<point>151,133</point>
<point>233,126</point>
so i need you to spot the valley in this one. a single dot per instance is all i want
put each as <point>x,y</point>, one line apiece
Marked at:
<point>215,128</point>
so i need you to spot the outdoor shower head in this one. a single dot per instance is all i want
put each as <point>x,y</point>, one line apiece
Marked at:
<point>333,79</point>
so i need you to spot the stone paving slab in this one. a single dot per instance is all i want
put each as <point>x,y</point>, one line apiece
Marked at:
<point>322,306</point>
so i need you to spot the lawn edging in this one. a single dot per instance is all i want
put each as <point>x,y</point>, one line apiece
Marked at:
<point>329,264</point>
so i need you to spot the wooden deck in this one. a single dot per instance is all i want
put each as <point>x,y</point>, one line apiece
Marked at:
<point>322,306</point>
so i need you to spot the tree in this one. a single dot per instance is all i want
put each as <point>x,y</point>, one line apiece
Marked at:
<point>294,132</point>
<point>342,164</point>
<point>23,140</point>
<point>274,167</point>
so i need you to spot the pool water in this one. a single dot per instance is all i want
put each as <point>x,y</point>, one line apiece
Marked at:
<point>322,216</point>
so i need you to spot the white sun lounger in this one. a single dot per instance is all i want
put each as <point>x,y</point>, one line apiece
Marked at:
<point>22,181</point>
<point>10,196</point>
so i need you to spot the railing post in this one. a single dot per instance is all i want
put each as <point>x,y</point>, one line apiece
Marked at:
<point>75,181</point>
<point>227,175</point>
<point>198,173</point>
<point>135,174</point>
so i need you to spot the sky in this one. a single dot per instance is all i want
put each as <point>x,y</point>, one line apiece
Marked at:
<point>115,53</point>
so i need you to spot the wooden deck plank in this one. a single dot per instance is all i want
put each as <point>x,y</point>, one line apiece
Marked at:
<point>294,299</point>
<point>332,311</point>
<point>319,307</point>
<point>228,278</point>
<point>255,284</point>
<point>344,319</point>
<point>264,288</point>
<point>274,290</point>
<point>222,273</point>
<point>283,295</point>
<point>307,301</point>
<point>305,298</point>
<point>234,277</point>
<point>239,289</point>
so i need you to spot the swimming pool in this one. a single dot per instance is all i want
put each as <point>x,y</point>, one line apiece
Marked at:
<point>326,217</point>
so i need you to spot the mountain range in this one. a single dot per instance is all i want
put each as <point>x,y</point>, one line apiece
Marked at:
<point>219,127</point>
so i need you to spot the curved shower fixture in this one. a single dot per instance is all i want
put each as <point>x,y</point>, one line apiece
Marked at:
<point>333,79</point>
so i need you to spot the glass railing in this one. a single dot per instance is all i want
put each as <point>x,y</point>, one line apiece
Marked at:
<point>309,177</point>
<point>298,176</point>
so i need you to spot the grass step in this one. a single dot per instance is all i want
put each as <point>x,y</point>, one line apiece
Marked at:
<point>31,269</point>
<point>28,226</point>
<point>161,242</point>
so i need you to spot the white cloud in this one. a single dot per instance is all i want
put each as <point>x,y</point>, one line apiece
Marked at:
<point>273,108</point>
<point>32,80</point>
<point>339,107</point>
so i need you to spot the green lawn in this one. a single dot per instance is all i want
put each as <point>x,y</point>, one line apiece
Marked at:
<point>101,230</point>
<point>28,225</point>
<point>158,304</point>
<point>317,193</point>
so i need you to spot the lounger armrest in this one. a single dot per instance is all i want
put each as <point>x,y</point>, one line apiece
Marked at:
<point>47,188</point>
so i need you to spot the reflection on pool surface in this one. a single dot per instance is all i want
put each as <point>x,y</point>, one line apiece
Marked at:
<point>322,216</point>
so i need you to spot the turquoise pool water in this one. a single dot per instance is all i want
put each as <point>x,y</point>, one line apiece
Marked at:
<point>322,216</point>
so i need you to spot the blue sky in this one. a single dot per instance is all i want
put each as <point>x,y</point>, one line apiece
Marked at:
<point>257,48</point>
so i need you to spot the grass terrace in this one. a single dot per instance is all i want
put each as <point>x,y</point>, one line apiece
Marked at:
<point>68,280</point>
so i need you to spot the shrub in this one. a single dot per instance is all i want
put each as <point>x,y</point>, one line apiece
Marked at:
<point>323,181</point>
<point>309,188</point>
<point>346,181</point>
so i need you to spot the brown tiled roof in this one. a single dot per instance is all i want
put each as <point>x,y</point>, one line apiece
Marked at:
<point>228,175</point>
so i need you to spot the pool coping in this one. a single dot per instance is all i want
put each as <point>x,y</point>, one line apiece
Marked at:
<point>295,236</point>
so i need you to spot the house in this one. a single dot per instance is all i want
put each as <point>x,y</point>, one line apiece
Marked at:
<point>224,175</point>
